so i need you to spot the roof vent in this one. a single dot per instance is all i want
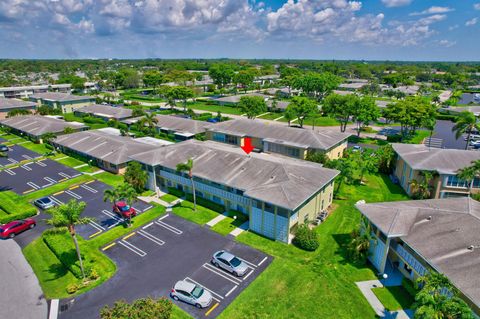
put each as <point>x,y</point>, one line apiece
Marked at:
<point>471,247</point>
<point>429,217</point>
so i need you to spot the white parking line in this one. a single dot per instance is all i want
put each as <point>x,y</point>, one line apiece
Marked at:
<point>148,225</point>
<point>145,209</point>
<point>51,180</point>
<point>97,226</point>
<point>9,172</point>
<point>11,160</point>
<point>163,217</point>
<point>248,275</point>
<point>230,291</point>
<point>149,236</point>
<point>209,290</point>
<point>27,157</point>
<point>263,260</point>
<point>248,263</point>
<point>63,175</point>
<point>75,175</point>
<point>111,215</point>
<point>169,227</point>
<point>230,278</point>
<point>88,188</point>
<point>33,185</point>
<point>74,195</point>
<point>25,167</point>
<point>133,248</point>
<point>59,202</point>
<point>42,164</point>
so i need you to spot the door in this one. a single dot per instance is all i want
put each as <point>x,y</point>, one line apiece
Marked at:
<point>185,296</point>
<point>225,264</point>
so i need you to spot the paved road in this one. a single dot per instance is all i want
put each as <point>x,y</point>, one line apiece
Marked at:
<point>21,295</point>
<point>443,130</point>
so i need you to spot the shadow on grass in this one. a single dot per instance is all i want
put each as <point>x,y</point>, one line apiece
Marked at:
<point>393,188</point>
<point>343,240</point>
<point>58,270</point>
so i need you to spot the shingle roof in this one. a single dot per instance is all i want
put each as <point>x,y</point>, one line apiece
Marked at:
<point>439,230</point>
<point>106,111</point>
<point>282,181</point>
<point>105,145</point>
<point>281,134</point>
<point>60,97</point>
<point>236,98</point>
<point>444,161</point>
<point>6,104</point>
<point>181,125</point>
<point>37,125</point>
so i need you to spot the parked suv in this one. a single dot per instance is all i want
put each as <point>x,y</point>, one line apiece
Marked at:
<point>3,148</point>
<point>192,294</point>
<point>14,228</point>
<point>124,210</point>
<point>229,262</point>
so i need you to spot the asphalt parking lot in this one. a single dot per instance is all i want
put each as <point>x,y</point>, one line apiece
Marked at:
<point>151,259</point>
<point>33,176</point>
<point>16,154</point>
<point>92,194</point>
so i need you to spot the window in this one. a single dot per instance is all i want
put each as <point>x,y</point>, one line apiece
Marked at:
<point>285,150</point>
<point>269,208</point>
<point>219,137</point>
<point>322,204</point>
<point>476,183</point>
<point>454,181</point>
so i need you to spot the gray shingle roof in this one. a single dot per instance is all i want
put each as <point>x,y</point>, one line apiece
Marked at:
<point>444,161</point>
<point>106,111</point>
<point>181,125</point>
<point>236,98</point>
<point>6,104</point>
<point>104,145</point>
<point>281,134</point>
<point>439,230</point>
<point>281,181</point>
<point>60,97</point>
<point>37,125</point>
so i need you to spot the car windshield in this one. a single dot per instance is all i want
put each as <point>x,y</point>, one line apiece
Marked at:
<point>125,208</point>
<point>45,200</point>
<point>1,230</point>
<point>235,262</point>
<point>197,291</point>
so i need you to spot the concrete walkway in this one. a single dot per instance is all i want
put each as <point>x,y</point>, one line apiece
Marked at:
<point>154,199</point>
<point>237,231</point>
<point>216,220</point>
<point>366,289</point>
<point>21,295</point>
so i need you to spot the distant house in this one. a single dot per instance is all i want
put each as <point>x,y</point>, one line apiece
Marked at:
<point>235,99</point>
<point>35,126</point>
<point>63,101</point>
<point>24,92</point>
<point>105,112</point>
<point>277,138</point>
<point>182,128</point>
<point>7,105</point>
<point>266,79</point>
<point>444,164</point>
<point>106,148</point>
<point>422,236</point>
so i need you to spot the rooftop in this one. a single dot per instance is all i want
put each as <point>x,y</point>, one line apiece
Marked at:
<point>60,97</point>
<point>106,111</point>
<point>282,181</point>
<point>34,87</point>
<point>236,98</point>
<point>37,125</point>
<point>280,133</point>
<point>107,144</point>
<point>444,161</point>
<point>439,230</point>
<point>6,104</point>
<point>181,125</point>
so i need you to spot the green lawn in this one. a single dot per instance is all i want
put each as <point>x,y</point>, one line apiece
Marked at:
<point>225,226</point>
<point>201,216</point>
<point>70,161</point>
<point>169,198</point>
<point>418,138</point>
<point>394,298</point>
<point>204,106</point>
<point>367,140</point>
<point>271,116</point>
<point>39,148</point>
<point>110,179</point>
<point>319,284</point>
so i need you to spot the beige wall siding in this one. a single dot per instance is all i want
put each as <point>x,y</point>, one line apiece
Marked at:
<point>337,152</point>
<point>69,108</point>
<point>311,209</point>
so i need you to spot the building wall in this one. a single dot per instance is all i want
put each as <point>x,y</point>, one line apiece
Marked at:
<point>337,151</point>
<point>317,203</point>
<point>66,107</point>
<point>4,113</point>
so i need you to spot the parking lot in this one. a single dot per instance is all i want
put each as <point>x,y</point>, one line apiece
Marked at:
<point>33,176</point>
<point>92,194</point>
<point>153,258</point>
<point>16,154</point>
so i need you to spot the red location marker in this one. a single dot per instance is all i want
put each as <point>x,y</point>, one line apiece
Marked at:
<point>247,145</point>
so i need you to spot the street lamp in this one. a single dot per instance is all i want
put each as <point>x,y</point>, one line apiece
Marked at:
<point>384,276</point>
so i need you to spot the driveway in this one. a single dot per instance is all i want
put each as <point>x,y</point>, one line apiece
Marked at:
<point>21,295</point>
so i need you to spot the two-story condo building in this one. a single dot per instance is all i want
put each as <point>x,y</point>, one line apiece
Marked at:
<point>417,237</point>
<point>412,159</point>
<point>9,105</point>
<point>277,138</point>
<point>105,112</point>
<point>277,193</point>
<point>63,101</point>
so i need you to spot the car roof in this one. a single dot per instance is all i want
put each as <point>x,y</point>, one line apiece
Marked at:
<point>184,285</point>
<point>45,199</point>
<point>226,255</point>
<point>10,224</point>
<point>121,203</point>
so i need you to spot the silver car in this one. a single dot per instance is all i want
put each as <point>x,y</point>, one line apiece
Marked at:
<point>44,203</point>
<point>230,263</point>
<point>192,294</point>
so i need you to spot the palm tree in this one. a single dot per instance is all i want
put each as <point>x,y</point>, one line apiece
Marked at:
<point>188,167</point>
<point>149,120</point>
<point>111,195</point>
<point>67,216</point>
<point>466,123</point>
<point>422,189</point>
<point>48,137</point>
<point>361,240</point>
<point>68,130</point>
<point>128,194</point>
<point>469,173</point>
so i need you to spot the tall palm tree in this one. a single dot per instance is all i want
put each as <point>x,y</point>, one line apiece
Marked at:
<point>469,173</point>
<point>128,194</point>
<point>149,120</point>
<point>66,216</point>
<point>188,167</point>
<point>48,137</point>
<point>422,189</point>
<point>111,195</point>
<point>359,245</point>
<point>465,123</point>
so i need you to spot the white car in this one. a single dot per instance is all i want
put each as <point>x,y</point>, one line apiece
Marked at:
<point>227,261</point>
<point>473,137</point>
<point>192,294</point>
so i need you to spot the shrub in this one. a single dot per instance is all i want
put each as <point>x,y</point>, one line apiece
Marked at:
<point>409,286</point>
<point>394,138</point>
<point>93,274</point>
<point>15,206</point>
<point>306,238</point>
<point>72,288</point>
<point>219,208</point>
<point>176,192</point>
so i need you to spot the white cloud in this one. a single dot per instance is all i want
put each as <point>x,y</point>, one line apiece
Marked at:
<point>453,27</point>
<point>447,43</point>
<point>396,3</point>
<point>433,10</point>
<point>471,22</point>
<point>476,6</point>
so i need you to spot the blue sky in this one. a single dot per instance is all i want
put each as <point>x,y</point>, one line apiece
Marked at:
<point>306,29</point>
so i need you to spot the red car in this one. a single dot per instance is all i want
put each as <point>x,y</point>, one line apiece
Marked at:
<point>124,210</point>
<point>14,228</point>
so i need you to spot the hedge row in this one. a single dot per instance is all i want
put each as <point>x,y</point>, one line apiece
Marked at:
<point>176,192</point>
<point>15,206</point>
<point>219,208</point>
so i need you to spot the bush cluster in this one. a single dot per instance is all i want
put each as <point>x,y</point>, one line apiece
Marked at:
<point>306,238</point>
<point>15,207</point>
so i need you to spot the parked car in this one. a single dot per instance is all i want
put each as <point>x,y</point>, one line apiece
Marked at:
<point>229,262</point>
<point>44,203</point>
<point>356,148</point>
<point>474,143</point>
<point>192,294</point>
<point>473,137</point>
<point>3,148</point>
<point>14,228</point>
<point>124,210</point>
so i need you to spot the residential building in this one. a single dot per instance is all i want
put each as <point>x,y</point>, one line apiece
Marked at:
<point>105,112</point>
<point>444,164</point>
<point>421,236</point>
<point>266,79</point>
<point>235,99</point>
<point>7,105</point>
<point>24,92</point>
<point>278,138</point>
<point>63,101</point>
<point>106,148</point>
<point>35,126</point>
<point>276,193</point>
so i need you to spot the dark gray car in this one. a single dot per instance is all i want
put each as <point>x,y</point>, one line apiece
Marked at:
<point>44,203</point>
